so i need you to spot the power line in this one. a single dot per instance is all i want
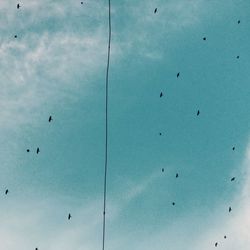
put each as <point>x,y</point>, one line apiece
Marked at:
<point>106,133</point>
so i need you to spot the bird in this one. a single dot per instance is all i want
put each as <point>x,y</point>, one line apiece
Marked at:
<point>162,170</point>
<point>198,112</point>
<point>238,21</point>
<point>6,191</point>
<point>177,175</point>
<point>81,2</point>
<point>216,244</point>
<point>173,203</point>
<point>37,150</point>
<point>225,236</point>
<point>50,118</point>
<point>36,248</point>
<point>160,133</point>
<point>204,38</point>
<point>28,150</point>
<point>15,36</point>
<point>178,74</point>
<point>18,6</point>
<point>161,94</point>
<point>69,216</point>
<point>230,209</point>
<point>233,148</point>
<point>155,10</point>
<point>237,57</point>
<point>232,179</point>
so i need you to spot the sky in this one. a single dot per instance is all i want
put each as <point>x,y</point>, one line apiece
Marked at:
<point>56,66</point>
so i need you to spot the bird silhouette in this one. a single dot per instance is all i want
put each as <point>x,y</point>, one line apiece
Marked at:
<point>225,237</point>
<point>37,150</point>
<point>204,38</point>
<point>36,248</point>
<point>162,170</point>
<point>233,148</point>
<point>230,209</point>
<point>28,150</point>
<point>15,36</point>
<point>161,94</point>
<point>232,179</point>
<point>173,203</point>
<point>177,175</point>
<point>198,112</point>
<point>237,57</point>
<point>178,74</point>
<point>160,133</point>
<point>6,191</point>
<point>18,6</point>
<point>216,244</point>
<point>50,119</point>
<point>69,216</point>
<point>81,2</point>
<point>238,21</point>
<point>155,10</point>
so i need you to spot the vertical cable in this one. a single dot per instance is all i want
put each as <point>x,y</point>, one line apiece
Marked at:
<point>106,132</point>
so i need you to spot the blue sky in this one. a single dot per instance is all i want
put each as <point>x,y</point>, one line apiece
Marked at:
<point>56,66</point>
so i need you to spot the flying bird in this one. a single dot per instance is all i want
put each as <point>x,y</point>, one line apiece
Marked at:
<point>178,74</point>
<point>162,170</point>
<point>230,209</point>
<point>15,36</point>
<point>160,133</point>
<point>233,148</point>
<point>155,10</point>
<point>161,94</point>
<point>216,244</point>
<point>69,216</point>
<point>50,119</point>
<point>177,175</point>
<point>28,150</point>
<point>173,203</point>
<point>37,150</point>
<point>238,57</point>
<point>238,21</point>
<point>204,38</point>
<point>232,179</point>
<point>18,6</point>
<point>6,191</point>
<point>225,237</point>
<point>198,112</point>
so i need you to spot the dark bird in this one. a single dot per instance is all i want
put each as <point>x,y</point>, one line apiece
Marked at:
<point>233,148</point>
<point>173,203</point>
<point>6,191</point>
<point>225,237</point>
<point>81,2</point>
<point>178,74</point>
<point>237,57</point>
<point>28,150</point>
<point>204,38</point>
<point>18,6</point>
<point>37,150</point>
<point>177,175</point>
<point>36,248</point>
<point>162,170</point>
<point>198,112</point>
<point>69,216</point>
<point>238,21</point>
<point>230,209</point>
<point>161,94</point>
<point>160,133</point>
<point>216,244</point>
<point>155,10</point>
<point>15,36</point>
<point>50,119</point>
<point>232,179</point>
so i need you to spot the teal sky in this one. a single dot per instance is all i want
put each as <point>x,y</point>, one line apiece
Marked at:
<point>56,66</point>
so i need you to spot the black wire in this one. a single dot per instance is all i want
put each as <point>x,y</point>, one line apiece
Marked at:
<point>106,134</point>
